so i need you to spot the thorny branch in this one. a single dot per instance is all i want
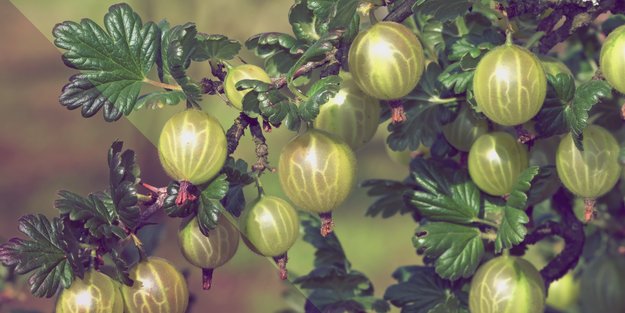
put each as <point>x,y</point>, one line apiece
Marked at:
<point>567,16</point>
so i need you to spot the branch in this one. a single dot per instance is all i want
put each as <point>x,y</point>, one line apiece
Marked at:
<point>235,132</point>
<point>262,150</point>
<point>577,14</point>
<point>570,229</point>
<point>401,12</point>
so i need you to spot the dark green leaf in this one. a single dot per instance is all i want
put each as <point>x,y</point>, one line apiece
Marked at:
<point>563,85</point>
<point>171,208</point>
<point>557,117</point>
<point>121,269</point>
<point>97,213</point>
<point>47,254</point>
<point>391,197</point>
<point>544,185</point>
<point>183,45</point>
<point>124,176</point>
<point>215,47</point>
<point>612,23</point>
<point>445,197</point>
<point>208,214</point>
<point>160,99</point>
<point>421,290</point>
<point>319,93</point>
<point>238,176</point>
<point>266,44</point>
<point>457,249</point>
<point>443,10</point>
<point>113,63</point>
<point>329,250</point>
<point>424,111</point>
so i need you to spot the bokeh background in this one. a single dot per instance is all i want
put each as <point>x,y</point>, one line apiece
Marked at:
<point>45,148</point>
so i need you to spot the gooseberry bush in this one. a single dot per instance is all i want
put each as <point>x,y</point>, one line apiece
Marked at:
<point>509,115</point>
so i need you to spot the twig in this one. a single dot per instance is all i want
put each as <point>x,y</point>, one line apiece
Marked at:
<point>262,150</point>
<point>235,132</point>
<point>401,12</point>
<point>570,229</point>
<point>577,14</point>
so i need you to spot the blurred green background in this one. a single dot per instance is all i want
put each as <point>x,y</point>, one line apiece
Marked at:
<point>45,148</point>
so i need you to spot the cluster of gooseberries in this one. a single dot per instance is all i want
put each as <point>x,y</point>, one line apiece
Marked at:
<point>317,169</point>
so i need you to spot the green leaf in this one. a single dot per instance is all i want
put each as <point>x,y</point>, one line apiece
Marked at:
<point>274,106</point>
<point>319,93</point>
<point>511,229</point>
<point>563,85</point>
<point>183,44</point>
<point>457,249</point>
<point>113,63</point>
<point>124,176</point>
<point>456,79</point>
<point>329,252</point>
<point>442,10</point>
<point>217,188</point>
<point>390,195</point>
<point>518,196</point>
<point>121,269</point>
<point>303,22</point>
<point>208,214</point>
<point>544,185</point>
<point>238,176</point>
<point>558,116</point>
<point>159,99</point>
<point>50,253</point>
<point>421,290</point>
<point>512,221</point>
<point>96,212</point>
<point>316,51</point>
<point>424,111</point>
<point>215,47</point>
<point>266,44</point>
<point>445,196</point>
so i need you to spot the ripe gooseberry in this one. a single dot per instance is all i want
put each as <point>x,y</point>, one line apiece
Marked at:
<point>611,59</point>
<point>507,284</point>
<point>208,252</point>
<point>463,131</point>
<point>603,282</point>
<point>158,288</point>
<point>509,85</point>
<point>237,74</point>
<point>192,146</point>
<point>495,162</point>
<point>593,172</point>
<point>271,227</point>
<point>317,171</point>
<point>351,114</point>
<point>96,292</point>
<point>386,60</point>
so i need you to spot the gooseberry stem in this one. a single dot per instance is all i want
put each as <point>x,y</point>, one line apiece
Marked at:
<point>589,209</point>
<point>207,278</point>
<point>327,223</point>
<point>509,41</point>
<point>281,262</point>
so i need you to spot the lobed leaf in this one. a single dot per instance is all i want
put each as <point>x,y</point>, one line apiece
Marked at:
<point>421,290</point>
<point>123,178</point>
<point>113,62</point>
<point>458,249</point>
<point>445,197</point>
<point>442,10</point>
<point>319,93</point>
<point>97,213</point>
<point>390,197</point>
<point>51,254</point>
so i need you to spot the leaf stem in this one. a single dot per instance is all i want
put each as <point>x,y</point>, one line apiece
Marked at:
<point>436,99</point>
<point>161,85</point>
<point>486,223</point>
<point>296,91</point>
